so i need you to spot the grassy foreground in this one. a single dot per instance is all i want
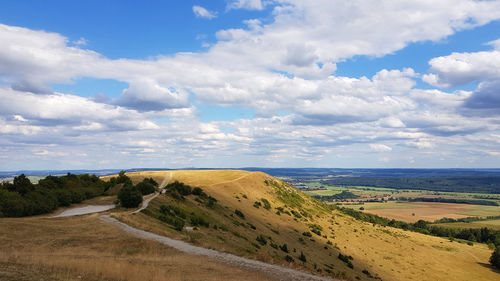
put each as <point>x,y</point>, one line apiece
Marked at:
<point>85,248</point>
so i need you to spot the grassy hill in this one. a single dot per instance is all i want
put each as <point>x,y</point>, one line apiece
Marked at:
<point>255,215</point>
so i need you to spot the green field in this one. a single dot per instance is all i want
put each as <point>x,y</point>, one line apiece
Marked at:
<point>492,224</point>
<point>382,206</point>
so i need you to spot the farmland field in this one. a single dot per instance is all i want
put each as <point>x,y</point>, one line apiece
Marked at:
<point>492,224</point>
<point>429,211</point>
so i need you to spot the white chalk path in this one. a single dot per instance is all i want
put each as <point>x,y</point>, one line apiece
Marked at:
<point>145,203</point>
<point>84,210</point>
<point>281,272</point>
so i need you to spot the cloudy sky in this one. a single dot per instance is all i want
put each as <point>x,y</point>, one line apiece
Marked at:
<point>237,83</point>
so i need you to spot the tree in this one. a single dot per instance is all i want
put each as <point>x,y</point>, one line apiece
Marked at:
<point>22,184</point>
<point>130,196</point>
<point>495,258</point>
<point>145,187</point>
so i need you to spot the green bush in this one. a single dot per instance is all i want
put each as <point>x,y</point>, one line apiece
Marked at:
<point>284,248</point>
<point>239,213</point>
<point>146,187</point>
<point>261,239</point>
<point>289,258</point>
<point>307,234</point>
<point>267,205</point>
<point>182,188</point>
<point>302,257</point>
<point>198,192</point>
<point>129,196</point>
<point>495,258</point>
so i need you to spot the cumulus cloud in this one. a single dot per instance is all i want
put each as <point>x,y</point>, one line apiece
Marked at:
<point>462,68</point>
<point>304,111</point>
<point>148,95</point>
<point>201,12</point>
<point>245,4</point>
<point>485,100</point>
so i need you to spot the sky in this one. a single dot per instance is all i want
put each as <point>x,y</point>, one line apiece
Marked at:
<point>249,83</point>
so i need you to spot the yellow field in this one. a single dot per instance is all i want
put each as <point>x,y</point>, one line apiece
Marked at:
<point>429,211</point>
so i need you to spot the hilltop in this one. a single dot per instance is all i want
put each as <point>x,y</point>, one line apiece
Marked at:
<point>256,214</point>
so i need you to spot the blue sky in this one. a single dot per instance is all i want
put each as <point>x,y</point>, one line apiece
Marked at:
<point>119,84</point>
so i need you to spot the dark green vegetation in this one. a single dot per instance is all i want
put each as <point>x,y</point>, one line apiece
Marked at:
<point>23,198</point>
<point>495,258</point>
<point>466,220</point>
<point>450,200</point>
<point>177,215</point>
<point>480,184</point>
<point>129,196</point>
<point>345,194</point>
<point>483,235</point>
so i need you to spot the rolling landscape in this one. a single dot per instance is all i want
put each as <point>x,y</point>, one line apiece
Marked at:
<point>247,214</point>
<point>249,140</point>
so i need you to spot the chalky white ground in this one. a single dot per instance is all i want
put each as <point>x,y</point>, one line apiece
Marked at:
<point>84,210</point>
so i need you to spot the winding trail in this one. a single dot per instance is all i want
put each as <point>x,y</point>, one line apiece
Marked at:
<point>281,272</point>
<point>145,203</point>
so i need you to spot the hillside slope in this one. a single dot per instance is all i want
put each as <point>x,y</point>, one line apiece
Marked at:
<point>255,215</point>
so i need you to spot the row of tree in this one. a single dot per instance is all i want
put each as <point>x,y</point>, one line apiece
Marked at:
<point>23,198</point>
<point>482,235</point>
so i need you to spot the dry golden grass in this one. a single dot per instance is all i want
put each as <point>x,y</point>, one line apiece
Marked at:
<point>392,254</point>
<point>431,211</point>
<point>85,248</point>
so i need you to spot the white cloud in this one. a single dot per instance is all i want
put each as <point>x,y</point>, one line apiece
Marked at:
<point>201,12</point>
<point>380,147</point>
<point>302,109</point>
<point>245,4</point>
<point>80,42</point>
<point>462,68</point>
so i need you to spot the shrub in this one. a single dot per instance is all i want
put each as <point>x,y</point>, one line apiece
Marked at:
<point>261,239</point>
<point>182,188</point>
<point>129,196</point>
<point>211,202</point>
<point>302,257</point>
<point>145,187</point>
<point>289,258</point>
<point>284,248</point>
<point>197,220</point>
<point>267,205</point>
<point>239,213</point>
<point>257,204</point>
<point>296,214</point>
<point>198,191</point>
<point>495,258</point>
<point>307,233</point>
<point>178,224</point>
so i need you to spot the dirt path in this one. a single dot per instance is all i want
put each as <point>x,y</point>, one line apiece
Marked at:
<point>283,273</point>
<point>84,210</point>
<point>229,181</point>
<point>145,203</point>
